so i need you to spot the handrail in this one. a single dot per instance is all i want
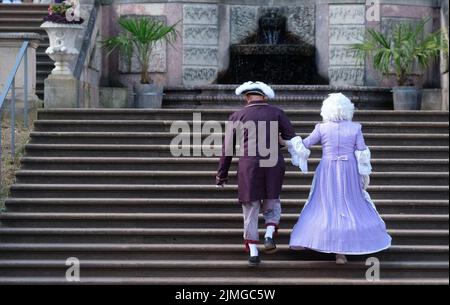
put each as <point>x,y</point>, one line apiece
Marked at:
<point>86,40</point>
<point>11,85</point>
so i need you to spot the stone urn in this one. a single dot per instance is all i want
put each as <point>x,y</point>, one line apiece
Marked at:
<point>62,45</point>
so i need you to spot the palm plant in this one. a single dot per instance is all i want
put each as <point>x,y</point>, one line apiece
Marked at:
<point>407,46</point>
<point>140,34</point>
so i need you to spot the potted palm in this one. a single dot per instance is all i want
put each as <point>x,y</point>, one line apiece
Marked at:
<point>139,36</point>
<point>400,52</point>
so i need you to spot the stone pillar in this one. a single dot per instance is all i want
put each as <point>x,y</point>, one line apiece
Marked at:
<point>10,44</point>
<point>346,27</point>
<point>200,44</point>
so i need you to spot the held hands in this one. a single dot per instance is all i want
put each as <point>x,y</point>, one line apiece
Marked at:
<point>221,182</point>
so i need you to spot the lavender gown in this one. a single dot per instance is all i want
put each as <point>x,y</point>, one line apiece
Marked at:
<point>339,216</point>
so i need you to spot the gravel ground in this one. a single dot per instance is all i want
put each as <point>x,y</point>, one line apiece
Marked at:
<point>8,164</point>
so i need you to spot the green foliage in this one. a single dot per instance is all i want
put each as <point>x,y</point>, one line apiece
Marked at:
<point>140,35</point>
<point>400,51</point>
<point>60,8</point>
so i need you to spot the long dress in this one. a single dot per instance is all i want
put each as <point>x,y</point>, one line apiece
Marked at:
<point>339,216</point>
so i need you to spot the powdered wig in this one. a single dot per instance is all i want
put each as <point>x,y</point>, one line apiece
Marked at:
<point>337,107</point>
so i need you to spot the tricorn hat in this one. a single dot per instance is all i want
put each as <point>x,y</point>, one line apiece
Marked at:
<point>259,88</point>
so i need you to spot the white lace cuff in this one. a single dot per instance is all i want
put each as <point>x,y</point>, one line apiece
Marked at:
<point>299,153</point>
<point>363,158</point>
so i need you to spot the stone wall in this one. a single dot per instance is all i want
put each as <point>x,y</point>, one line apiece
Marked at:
<point>444,58</point>
<point>209,27</point>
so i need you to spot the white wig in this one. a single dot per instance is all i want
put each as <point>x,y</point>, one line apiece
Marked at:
<point>337,107</point>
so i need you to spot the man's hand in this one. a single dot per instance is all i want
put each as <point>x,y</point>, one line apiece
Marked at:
<point>221,182</point>
<point>281,141</point>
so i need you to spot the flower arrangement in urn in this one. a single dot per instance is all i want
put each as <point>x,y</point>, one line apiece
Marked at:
<point>67,12</point>
<point>63,25</point>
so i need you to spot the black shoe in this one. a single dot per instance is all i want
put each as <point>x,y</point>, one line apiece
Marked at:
<point>270,246</point>
<point>254,261</point>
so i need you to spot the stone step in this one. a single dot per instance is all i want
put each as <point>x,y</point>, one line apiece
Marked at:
<point>207,164</point>
<point>48,64</point>
<point>23,7</point>
<point>182,236</point>
<point>166,138</point>
<point>43,73</point>
<point>23,28</point>
<point>223,96</point>
<point>15,15</point>
<point>205,177</point>
<point>201,251</point>
<point>227,101</point>
<point>218,269</point>
<point>202,191</point>
<point>190,205</point>
<point>139,151</point>
<point>26,19</point>
<point>183,220</point>
<point>42,57</point>
<point>40,92</point>
<point>165,126</point>
<point>219,281</point>
<point>223,114</point>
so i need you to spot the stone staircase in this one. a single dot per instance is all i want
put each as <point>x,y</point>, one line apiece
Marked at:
<point>102,186</point>
<point>28,18</point>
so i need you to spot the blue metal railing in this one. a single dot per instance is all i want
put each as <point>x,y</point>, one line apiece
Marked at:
<point>10,85</point>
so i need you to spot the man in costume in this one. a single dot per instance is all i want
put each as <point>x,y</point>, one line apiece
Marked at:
<point>259,180</point>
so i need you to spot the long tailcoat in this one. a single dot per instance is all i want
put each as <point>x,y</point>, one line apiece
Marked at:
<point>256,182</point>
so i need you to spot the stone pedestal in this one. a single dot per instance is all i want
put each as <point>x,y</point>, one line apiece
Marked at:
<point>10,44</point>
<point>61,91</point>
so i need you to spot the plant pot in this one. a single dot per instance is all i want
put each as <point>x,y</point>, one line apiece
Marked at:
<point>406,98</point>
<point>62,45</point>
<point>113,97</point>
<point>431,99</point>
<point>148,96</point>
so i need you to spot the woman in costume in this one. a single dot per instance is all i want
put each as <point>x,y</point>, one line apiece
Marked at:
<point>339,216</point>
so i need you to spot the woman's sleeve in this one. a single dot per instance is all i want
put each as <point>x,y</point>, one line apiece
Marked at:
<point>314,138</point>
<point>360,142</point>
<point>299,149</point>
<point>363,156</point>
<point>299,153</point>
